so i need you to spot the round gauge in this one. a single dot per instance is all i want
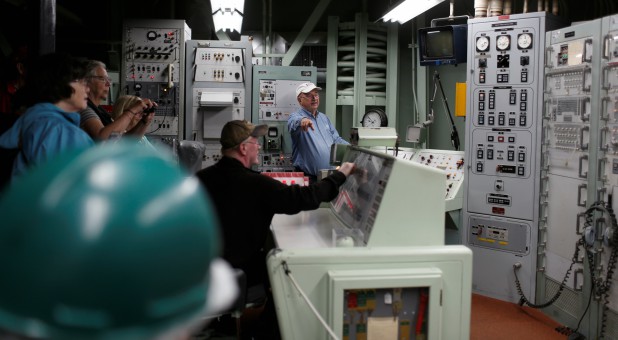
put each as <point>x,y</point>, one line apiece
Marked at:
<point>482,44</point>
<point>524,41</point>
<point>503,42</point>
<point>374,118</point>
<point>151,35</point>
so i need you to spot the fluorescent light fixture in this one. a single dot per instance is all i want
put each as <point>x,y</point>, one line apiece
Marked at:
<point>409,9</point>
<point>227,14</point>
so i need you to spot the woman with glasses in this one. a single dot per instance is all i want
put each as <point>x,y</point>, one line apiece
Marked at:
<point>94,119</point>
<point>312,133</point>
<point>56,91</point>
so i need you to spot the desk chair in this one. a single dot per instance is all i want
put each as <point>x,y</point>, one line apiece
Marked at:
<point>248,298</point>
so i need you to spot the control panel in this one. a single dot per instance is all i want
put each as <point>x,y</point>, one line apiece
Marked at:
<point>503,133</point>
<point>153,68</point>
<point>452,163</point>
<point>218,83</point>
<point>220,65</point>
<point>500,235</point>
<point>503,149</point>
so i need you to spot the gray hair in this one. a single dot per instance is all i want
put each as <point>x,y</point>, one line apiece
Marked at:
<point>92,65</point>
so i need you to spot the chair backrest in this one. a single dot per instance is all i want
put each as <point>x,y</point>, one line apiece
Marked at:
<point>239,303</point>
<point>190,155</point>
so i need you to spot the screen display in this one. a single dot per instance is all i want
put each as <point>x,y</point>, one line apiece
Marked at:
<point>439,44</point>
<point>359,197</point>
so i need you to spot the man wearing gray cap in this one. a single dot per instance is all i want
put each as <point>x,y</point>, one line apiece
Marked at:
<point>246,200</point>
<point>312,132</point>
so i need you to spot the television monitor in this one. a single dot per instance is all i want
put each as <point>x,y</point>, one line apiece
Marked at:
<point>442,45</point>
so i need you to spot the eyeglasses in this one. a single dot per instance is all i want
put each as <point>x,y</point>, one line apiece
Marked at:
<point>312,95</point>
<point>255,143</point>
<point>102,79</point>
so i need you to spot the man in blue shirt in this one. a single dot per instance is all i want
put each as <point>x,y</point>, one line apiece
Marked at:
<point>312,133</point>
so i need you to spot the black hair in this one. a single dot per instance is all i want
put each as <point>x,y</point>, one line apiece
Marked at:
<point>49,77</point>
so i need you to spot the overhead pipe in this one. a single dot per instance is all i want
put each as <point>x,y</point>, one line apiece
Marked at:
<point>480,8</point>
<point>495,8</point>
<point>507,8</point>
<point>554,7</point>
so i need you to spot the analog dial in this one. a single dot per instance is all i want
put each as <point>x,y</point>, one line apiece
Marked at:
<point>482,44</point>
<point>503,42</point>
<point>524,41</point>
<point>374,118</point>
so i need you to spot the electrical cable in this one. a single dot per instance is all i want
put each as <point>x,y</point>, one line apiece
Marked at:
<point>315,312</point>
<point>601,287</point>
<point>585,310</point>
<point>524,300</point>
<point>454,134</point>
<point>165,112</point>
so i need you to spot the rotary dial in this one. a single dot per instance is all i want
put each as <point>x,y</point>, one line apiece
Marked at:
<point>482,44</point>
<point>503,42</point>
<point>524,41</point>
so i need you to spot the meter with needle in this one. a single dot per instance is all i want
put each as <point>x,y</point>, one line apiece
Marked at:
<point>482,44</point>
<point>503,42</point>
<point>524,41</point>
<point>374,118</point>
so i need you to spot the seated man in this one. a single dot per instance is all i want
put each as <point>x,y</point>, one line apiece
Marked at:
<point>246,200</point>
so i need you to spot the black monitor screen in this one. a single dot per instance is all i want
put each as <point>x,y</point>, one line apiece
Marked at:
<point>439,44</point>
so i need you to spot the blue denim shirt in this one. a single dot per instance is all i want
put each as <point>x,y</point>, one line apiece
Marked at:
<point>311,149</point>
<point>46,131</point>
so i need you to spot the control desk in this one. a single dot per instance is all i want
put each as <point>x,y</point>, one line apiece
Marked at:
<point>368,260</point>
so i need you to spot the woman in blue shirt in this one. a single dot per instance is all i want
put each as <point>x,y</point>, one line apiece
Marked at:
<point>56,90</point>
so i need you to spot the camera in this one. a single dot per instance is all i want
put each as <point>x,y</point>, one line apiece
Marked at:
<point>149,110</point>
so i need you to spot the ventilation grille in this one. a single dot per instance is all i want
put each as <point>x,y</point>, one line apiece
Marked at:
<point>568,301</point>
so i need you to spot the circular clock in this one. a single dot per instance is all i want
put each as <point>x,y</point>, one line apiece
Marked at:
<point>524,41</point>
<point>482,44</point>
<point>503,42</point>
<point>374,118</point>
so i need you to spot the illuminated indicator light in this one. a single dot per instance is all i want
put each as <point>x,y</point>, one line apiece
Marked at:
<point>497,210</point>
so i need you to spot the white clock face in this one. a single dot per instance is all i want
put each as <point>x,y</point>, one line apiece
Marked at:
<point>524,41</point>
<point>482,44</point>
<point>372,119</point>
<point>503,42</point>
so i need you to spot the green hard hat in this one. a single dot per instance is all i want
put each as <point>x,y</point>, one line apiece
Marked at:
<point>114,242</point>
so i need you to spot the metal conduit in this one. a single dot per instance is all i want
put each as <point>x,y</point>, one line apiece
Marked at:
<point>375,77</point>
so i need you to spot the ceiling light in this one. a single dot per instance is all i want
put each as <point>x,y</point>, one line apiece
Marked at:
<point>227,14</point>
<point>408,9</point>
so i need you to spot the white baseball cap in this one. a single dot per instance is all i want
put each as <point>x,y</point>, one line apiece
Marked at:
<point>306,88</point>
